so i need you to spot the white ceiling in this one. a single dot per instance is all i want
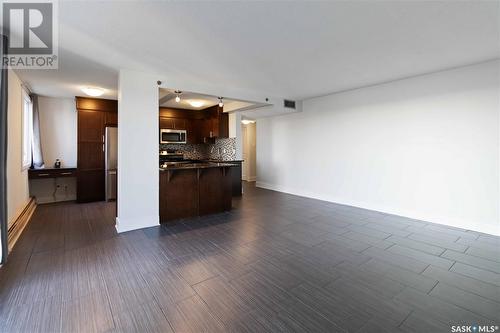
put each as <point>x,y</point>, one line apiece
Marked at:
<point>167,99</point>
<point>289,49</point>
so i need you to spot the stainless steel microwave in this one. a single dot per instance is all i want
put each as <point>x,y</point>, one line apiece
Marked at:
<point>172,136</point>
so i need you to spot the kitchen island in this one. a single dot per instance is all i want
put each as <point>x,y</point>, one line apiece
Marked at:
<point>194,189</point>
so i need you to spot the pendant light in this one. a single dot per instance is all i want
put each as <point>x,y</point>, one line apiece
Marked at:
<point>178,96</point>
<point>221,103</point>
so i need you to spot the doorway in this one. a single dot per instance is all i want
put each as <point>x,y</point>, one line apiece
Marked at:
<point>248,130</point>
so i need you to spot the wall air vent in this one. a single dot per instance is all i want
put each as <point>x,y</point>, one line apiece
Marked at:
<point>289,104</point>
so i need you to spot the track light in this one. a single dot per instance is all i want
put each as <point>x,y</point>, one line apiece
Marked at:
<point>178,96</point>
<point>221,104</point>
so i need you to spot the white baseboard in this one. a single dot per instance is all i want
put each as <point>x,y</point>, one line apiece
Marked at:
<point>129,224</point>
<point>467,225</point>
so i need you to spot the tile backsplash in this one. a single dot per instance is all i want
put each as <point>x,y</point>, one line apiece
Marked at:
<point>190,151</point>
<point>222,149</point>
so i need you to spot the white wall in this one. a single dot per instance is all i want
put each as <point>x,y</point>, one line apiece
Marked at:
<point>425,147</point>
<point>17,178</point>
<point>58,124</point>
<point>58,132</point>
<point>138,176</point>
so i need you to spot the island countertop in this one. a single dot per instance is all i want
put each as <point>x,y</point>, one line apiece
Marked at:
<point>185,166</point>
<point>220,160</point>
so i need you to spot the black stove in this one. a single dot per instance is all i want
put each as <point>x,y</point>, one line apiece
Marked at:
<point>169,157</point>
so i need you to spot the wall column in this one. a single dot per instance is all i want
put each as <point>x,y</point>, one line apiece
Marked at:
<point>138,173</point>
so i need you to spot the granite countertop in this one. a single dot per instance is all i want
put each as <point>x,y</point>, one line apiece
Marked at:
<point>183,166</point>
<point>51,169</point>
<point>222,161</point>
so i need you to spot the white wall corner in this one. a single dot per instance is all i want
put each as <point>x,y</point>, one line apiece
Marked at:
<point>124,225</point>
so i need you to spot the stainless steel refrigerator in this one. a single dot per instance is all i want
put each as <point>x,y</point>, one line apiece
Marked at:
<point>111,146</point>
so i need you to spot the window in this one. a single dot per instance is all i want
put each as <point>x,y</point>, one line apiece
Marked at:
<point>27,130</point>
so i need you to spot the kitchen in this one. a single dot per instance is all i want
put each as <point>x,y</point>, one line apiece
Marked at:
<point>199,171</point>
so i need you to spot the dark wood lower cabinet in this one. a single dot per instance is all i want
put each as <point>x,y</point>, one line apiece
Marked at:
<point>236,172</point>
<point>90,185</point>
<point>178,194</point>
<point>215,190</point>
<point>194,192</point>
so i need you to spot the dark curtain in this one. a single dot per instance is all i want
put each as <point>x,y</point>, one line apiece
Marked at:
<point>36,153</point>
<point>3,149</point>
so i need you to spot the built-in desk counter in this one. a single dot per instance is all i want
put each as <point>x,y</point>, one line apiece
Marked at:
<point>51,173</point>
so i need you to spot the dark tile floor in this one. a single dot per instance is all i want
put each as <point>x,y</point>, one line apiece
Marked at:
<point>275,263</point>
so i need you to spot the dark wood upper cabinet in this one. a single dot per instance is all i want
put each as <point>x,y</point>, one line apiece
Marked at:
<point>216,123</point>
<point>166,123</point>
<point>97,104</point>
<point>193,129</point>
<point>202,126</point>
<point>179,124</point>
<point>209,129</point>
<point>90,126</point>
<point>111,119</point>
<point>223,124</point>
<point>93,117</point>
<point>172,123</point>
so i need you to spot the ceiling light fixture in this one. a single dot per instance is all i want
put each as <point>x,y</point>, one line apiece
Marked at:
<point>93,91</point>
<point>196,104</point>
<point>221,103</point>
<point>247,121</point>
<point>178,96</point>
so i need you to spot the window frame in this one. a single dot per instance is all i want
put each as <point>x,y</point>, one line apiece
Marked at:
<point>26,131</point>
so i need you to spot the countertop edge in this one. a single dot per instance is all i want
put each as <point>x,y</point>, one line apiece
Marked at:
<point>190,167</point>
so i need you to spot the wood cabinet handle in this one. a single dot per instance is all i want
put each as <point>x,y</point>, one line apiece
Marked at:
<point>43,174</point>
<point>66,173</point>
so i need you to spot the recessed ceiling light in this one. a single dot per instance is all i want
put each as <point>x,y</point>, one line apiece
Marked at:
<point>247,121</point>
<point>196,104</point>
<point>93,91</point>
